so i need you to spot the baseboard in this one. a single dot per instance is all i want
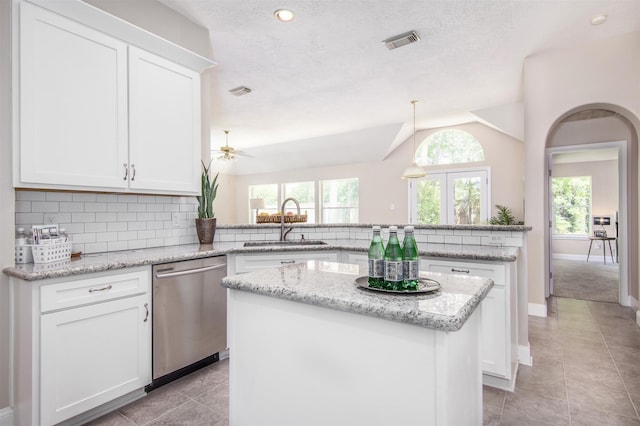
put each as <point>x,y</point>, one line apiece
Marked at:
<point>564,256</point>
<point>524,355</point>
<point>638,318</point>
<point>538,310</point>
<point>6,416</point>
<point>223,354</point>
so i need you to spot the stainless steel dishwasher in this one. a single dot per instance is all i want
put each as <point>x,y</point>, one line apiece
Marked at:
<point>189,317</point>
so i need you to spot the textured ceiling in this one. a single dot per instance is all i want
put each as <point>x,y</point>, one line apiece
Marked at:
<point>327,72</point>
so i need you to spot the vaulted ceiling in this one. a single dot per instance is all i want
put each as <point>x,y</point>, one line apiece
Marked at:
<point>327,74</point>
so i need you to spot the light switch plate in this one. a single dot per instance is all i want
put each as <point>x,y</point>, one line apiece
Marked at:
<point>175,219</point>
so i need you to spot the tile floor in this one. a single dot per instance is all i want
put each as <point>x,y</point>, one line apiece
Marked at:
<point>586,372</point>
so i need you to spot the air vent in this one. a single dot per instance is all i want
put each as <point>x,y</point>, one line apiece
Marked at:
<point>401,40</point>
<point>239,91</point>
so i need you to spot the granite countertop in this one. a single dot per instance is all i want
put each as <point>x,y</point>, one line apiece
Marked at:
<point>99,262</point>
<point>331,285</point>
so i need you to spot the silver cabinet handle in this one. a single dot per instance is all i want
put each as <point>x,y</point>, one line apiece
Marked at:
<point>126,171</point>
<point>146,317</point>
<point>190,271</point>
<point>133,172</point>
<point>466,271</point>
<point>287,262</point>
<point>109,287</point>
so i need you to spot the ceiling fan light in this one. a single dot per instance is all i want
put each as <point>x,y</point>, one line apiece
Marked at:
<point>414,172</point>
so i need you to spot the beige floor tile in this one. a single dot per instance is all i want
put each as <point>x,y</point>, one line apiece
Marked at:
<point>535,407</point>
<point>491,415</point>
<point>217,399</point>
<point>590,416</point>
<point>544,378</point>
<point>604,309</point>
<point>521,418</point>
<point>154,405</point>
<point>492,397</point>
<point>571,344</point>
<point>610,400</point>
<point>624,354</point>
<point>594,377</point>
<point>576,323</point>
<point>189,414</point>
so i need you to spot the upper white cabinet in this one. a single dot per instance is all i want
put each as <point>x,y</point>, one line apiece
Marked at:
<point>164,135</point>
<point>73,103</point>
<point>97,113</point>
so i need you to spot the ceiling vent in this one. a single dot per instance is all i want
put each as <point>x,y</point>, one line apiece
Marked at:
<point>239,91</point>
<point>401,40</point>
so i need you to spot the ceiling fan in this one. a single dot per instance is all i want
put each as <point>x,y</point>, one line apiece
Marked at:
<point>227,152</point>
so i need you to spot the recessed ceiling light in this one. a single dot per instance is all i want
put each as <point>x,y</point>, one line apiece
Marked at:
<point>598,19</point>
<point>284,15</point>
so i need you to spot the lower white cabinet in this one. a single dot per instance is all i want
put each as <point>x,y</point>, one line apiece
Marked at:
<point>499,316</point>
<point>246,262</point>
<point>88,340</point>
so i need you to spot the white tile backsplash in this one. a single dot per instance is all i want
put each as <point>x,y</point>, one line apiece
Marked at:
<point>110,222</point>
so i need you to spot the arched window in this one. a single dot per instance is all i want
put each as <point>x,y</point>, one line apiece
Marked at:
<point>451,146</point>
<point>454,196</point>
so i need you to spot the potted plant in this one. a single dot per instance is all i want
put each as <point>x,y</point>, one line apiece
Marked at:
<point>206,222</point>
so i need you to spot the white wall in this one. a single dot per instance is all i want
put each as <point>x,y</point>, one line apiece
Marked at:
<point>6,195</point>
<point>605,73</point>
<point>381,185</point>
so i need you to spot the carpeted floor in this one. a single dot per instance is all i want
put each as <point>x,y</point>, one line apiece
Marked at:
<point>591,280</point>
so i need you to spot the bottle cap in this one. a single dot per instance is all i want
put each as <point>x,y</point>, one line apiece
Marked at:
<point>408,228</point>
<point>376,227</point>
<point>393,228</point>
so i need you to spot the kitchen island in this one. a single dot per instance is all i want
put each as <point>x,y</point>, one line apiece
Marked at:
<point>307,347</point>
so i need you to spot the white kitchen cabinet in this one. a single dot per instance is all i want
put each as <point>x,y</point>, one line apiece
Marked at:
<point>73,103</point>
<point>248,262</point>
<point>96,113</point>
<point>86,339</point>
<point>499,316</point>
<point>164,135</point>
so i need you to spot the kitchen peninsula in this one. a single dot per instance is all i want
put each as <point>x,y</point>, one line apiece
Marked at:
<point>309,347</point>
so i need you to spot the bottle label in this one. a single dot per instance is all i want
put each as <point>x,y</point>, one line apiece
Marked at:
<point>410,269</point>
<point>376,268</point>
<point>393,270</point>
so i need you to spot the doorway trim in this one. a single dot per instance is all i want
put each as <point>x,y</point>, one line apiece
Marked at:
<point>623,217</point>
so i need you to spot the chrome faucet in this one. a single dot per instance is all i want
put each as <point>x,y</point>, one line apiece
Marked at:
<point>283,233</point>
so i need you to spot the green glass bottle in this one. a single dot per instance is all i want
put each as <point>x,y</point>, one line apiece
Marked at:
<point>409,260</point>
<point>376,260</point>
<point>393,261</point>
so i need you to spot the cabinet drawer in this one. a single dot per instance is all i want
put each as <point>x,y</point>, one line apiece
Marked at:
<point>248,263</point>
<point>487,270</point>
<point>81,292</point>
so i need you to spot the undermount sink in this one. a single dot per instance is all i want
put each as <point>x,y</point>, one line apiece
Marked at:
<point>284,243</point>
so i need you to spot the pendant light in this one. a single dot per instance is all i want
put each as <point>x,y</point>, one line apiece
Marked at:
<point>414,171</point>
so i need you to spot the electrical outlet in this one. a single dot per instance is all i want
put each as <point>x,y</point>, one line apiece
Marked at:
<point>175,219</point>
<point>496,239</point>
<point>51,218</point>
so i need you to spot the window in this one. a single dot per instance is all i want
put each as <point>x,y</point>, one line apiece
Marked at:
<point>452,198</point>
<point>337,200</point>
<point>267,192</point>
<point>304,192</point>
<point>451,146</point>
<point>340,200</point>
<point>571,205</point>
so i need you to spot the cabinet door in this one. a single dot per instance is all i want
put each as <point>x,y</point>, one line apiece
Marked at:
<point>93,354</point>
<point>495,334</point>
<point>73,104</point>
<point>164,107</point>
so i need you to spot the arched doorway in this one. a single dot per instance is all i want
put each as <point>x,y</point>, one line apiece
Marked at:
<point>601,127</point>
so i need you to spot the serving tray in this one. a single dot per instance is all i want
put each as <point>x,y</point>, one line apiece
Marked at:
<point>425,285</point>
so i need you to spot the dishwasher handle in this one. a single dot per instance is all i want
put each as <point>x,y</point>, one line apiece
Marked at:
<point>190,271</point>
